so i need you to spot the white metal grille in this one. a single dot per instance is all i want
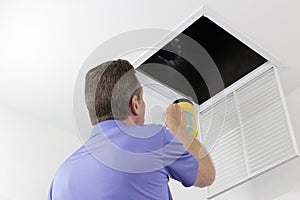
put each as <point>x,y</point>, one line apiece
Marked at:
<point>247,130</point>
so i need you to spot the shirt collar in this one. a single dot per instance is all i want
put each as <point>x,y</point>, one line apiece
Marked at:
<point>103,126</point>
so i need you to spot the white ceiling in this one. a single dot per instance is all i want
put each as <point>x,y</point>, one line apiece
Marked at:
<point>45,43</point>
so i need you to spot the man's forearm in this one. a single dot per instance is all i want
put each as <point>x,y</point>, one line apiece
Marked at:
<point>206,170</point>
<point>190,143</point>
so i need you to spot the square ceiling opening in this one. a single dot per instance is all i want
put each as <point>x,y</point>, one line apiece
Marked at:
<point>232,58</point>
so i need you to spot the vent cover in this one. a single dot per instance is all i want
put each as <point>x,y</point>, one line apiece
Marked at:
<point>247,131</point>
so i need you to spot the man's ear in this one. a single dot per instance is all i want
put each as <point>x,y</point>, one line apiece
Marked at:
<point>134,105</point>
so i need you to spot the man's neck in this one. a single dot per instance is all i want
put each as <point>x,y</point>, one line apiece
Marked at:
<point>129,122</point>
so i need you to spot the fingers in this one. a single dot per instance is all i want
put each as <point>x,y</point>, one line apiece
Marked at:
<point>175,106</point>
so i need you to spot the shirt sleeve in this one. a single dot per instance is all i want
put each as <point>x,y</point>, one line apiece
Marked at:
<point>179,163</point>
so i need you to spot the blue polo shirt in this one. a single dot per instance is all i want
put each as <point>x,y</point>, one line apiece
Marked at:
<point>124,162</point>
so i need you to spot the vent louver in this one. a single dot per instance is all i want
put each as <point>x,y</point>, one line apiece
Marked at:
<point>248,131</point>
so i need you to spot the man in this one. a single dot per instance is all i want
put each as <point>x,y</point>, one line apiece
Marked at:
<point>124,158</point>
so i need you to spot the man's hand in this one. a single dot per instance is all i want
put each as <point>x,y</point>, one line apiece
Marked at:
<point>176,123</point>
<point>174,118</point>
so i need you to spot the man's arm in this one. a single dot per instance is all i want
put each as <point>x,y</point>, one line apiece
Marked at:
<point>176,124</point>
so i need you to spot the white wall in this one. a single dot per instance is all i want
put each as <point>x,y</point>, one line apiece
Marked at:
<point>30,151</point>
<point>44,44</point>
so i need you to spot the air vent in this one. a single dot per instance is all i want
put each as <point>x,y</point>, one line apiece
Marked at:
<point>247,130</point>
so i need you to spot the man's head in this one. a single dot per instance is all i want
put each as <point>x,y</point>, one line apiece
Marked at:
<point>112,91</point>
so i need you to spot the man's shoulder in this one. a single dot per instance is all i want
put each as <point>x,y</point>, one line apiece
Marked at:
<point>144,131</point>
<point>74,161</point>
<point>79,153</point>
<point>158,130</point>
<point>153,126</point>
